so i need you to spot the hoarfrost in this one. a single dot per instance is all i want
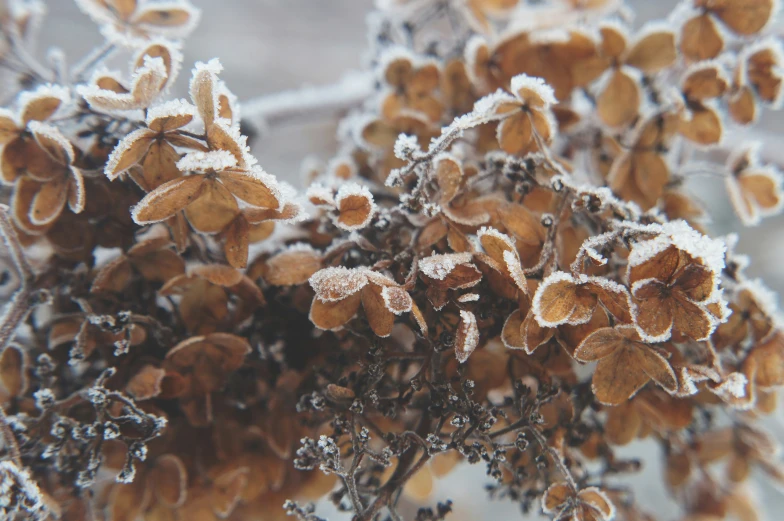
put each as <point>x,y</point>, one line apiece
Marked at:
<point>214,160</point>
<point>336,283</point>
<point>467,337</point>
<point>536,85</point>
<point>438,267</point>
<point>468,297</point>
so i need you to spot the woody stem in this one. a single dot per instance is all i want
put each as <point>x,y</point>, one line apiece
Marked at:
<point>19,304</point>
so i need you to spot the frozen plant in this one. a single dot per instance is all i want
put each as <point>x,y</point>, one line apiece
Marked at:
<point>501,266</point>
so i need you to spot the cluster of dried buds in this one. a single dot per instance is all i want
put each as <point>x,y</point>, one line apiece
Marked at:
<point>502,265</point>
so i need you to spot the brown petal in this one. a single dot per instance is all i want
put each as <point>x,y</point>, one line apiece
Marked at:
<point>48,204</point>
<point>13,368</point>
<point>555,496</point>
<point>170,122</point>
<point>555,301</point>
<point>337,283</point>
<point>53,142</point>
<point>292,267</point>
<point>40,108</point>
<point>213,209</point>
<point>467,336</point>
<point>696,282</point>
<point>162,51</point>
<point>128,152</point>
<point>219,274</point>
<point>355,208</point>
<point>511,335</point>
<point>419,318</point>
<point>160,266</point>
<point>616,302</point>
<point>764,73</point>
<point>745,17</point>
<point>397,300</point>
<point>690,319</point>
<point>76,194</point>
<point>160,165</point>
<point>114,276</point>
<point>380,318</point>
<point>334,315</point>
<point>700,38</point>
<point>449,174</point>
<point>519,221</point>
<point>237,242</point>
<point>657,368</point>
<point>533,334</point>
<point>614,41</point>
<point>705,83</point>
<point>742,106</point>
<point>164,17</point>
<point>25,191</point>
<point>168,199</point>
<point>515,134</point>
<point>8,129</point>
<point>618,377</point>
<point>221,137</point>
<point>169,480</point>
<point>661,267</point>
<point>619,103</point>
<point>654,317</point>
<point>704,127</point>
<point>653,52</point>
<point>599,344</point>
<point>123,8</point>
<point>226,491</point>
<point>598,501</point>
<point>146,383</point>
<point>623,424</point>
<point>256,190</point>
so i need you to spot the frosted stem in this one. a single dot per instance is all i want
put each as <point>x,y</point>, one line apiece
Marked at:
<point>309,103</point>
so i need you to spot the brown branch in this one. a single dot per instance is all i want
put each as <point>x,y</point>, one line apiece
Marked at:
<point>19,305</point>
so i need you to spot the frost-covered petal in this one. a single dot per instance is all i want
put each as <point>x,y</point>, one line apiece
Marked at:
<point>128,152</point>
<point>52,141</point>
<point>355,207</point>
<point>170,115</point>
<point>256,187</point>
<point>336,283</point>
<point>168,199</point>
<point>467,336</point>
<point>204,91</point>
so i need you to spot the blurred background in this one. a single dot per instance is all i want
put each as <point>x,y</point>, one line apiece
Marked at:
<point>267,46</point>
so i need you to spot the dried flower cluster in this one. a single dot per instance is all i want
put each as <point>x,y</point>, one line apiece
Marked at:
<point>501,266</point>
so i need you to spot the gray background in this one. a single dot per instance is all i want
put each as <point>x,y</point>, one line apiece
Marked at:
<point>271,45</point>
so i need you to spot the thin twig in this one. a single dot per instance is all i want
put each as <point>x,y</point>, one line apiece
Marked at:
<point>91,60</point>
<point>9,440</point>
<point>19,305</point>
<point>309,103</point>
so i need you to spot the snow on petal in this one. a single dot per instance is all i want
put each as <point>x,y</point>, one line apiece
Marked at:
<point>439,266</point>
<point>336,283</point>
<point>467,338</point>
<point>214,160</point>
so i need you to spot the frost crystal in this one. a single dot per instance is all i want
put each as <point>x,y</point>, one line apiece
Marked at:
<point>212,161</point>
<point>685,238</point>
<point>169,109</point>
<point>468,297</point>
<point>336,283</point>
<point>535,85</point>
<point>439,266</point>
<point>467,336</point>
